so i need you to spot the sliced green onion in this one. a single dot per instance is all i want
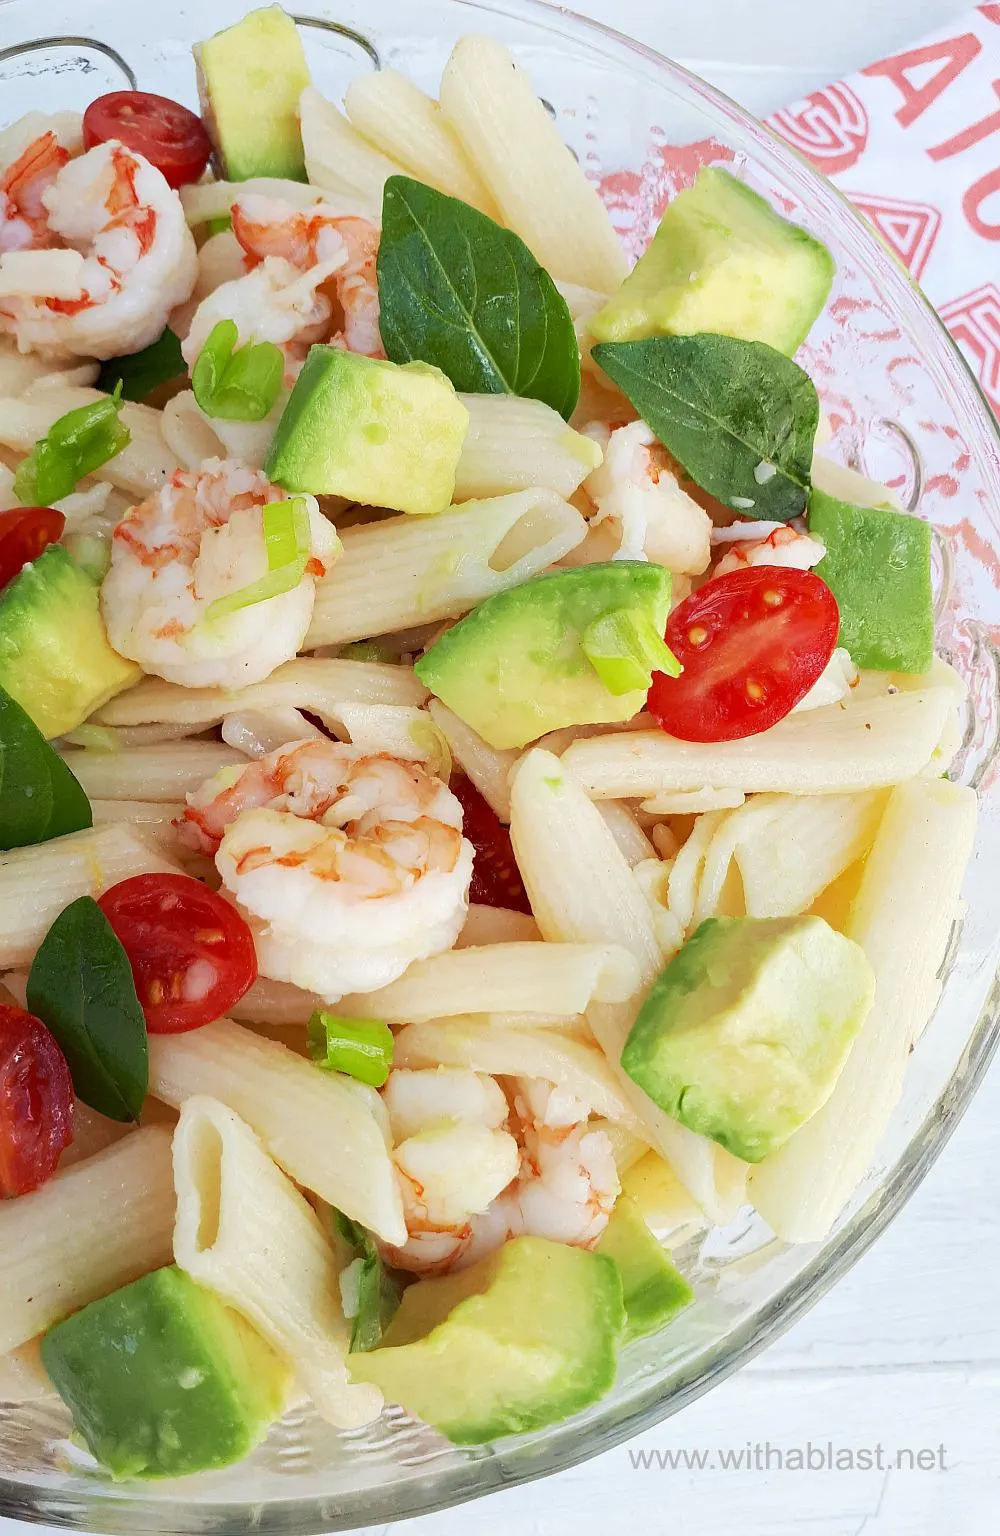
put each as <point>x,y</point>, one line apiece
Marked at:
<point>286,532</point>
<point>218,226</point>
<point>624,649</point>
<point>360,1047</point>
<point>287,540</point>
<point>237,384</point>
<point>74,446</point>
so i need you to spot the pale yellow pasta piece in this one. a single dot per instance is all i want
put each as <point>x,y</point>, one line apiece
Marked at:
<point>409,127</point>
<point>542,192</point>
<point>339,158</point>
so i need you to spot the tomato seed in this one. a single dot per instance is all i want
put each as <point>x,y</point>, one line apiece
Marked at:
<point>697,635</point>
<point>772,598</point>
<point>755,691</point>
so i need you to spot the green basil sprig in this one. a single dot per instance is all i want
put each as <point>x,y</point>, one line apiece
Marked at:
<point>74,446</point>
<point>237,383</point>
<point>39,797</point>
<point>459,291</point>
<point>740,417</point>
<point>138,374</point>
<point>80,985</point>
<point>378,1293</point>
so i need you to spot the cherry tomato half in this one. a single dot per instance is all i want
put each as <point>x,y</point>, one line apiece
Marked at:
<point>752,644</point>
<point>36,1102</point>
<point>496,879</point>
<point>162,131</point>
<point>191,953</point>
<point>24,533</point>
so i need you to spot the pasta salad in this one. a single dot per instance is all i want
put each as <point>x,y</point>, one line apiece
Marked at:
<point>474,785</point>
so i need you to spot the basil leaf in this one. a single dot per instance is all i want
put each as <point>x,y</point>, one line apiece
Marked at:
<point>80,985</point>
<point>457,290</point>
<point>74,446</point>
<point>39,797</point>
<point>237,383</point>
<point>739,416</point>
<point>141,372</point>
<point>378,1291</point>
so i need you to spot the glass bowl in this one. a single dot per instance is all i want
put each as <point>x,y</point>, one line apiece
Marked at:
<point>902,405</point>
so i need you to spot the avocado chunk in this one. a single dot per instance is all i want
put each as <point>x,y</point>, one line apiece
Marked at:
<point>522,1339</point>
<point>250,78</point>
<point>722,260</point>
<point>385,434</point>
<point>878,567</point>
<point>55,659</point>
<point>162,1379</point>
<point>746,1031</point>
<point>654,1289</point>
<point>538,656</point>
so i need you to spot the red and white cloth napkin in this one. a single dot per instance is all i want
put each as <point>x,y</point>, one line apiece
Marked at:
<point>914,142</point>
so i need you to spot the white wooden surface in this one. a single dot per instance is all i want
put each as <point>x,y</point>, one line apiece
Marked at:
<point>906,1351</point>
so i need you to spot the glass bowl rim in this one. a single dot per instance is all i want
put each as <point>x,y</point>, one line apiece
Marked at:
<point>310,1514</point>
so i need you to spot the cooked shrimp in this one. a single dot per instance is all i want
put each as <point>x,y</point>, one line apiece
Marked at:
<point>636,489</point>
<point>266,226</point>
<point>766,544</point>
<point>198,539</point>
<point>23,218</point>
<point>312,279</point>
<point>566,1180</point>
<point>275,302</point>
<point>125,255</point>
<point>348,867</point>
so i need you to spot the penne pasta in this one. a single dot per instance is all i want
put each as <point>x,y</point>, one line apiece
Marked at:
<point>324,1130</point>
<point>339,158</point>
<point>21,371</point>
<point>488,767</point>
<point>496,925</point>
<point>88,1231</point>
<point>91,1134</point>
<point>856,745</point>
<point>245,1232</point>
<point>800,845</point>
<point>582,890</point>
<point>166,772</point>
<point>193,437</point>
<point>505,1051</point>
<point>902,917</point>
<point>502,978</point>
<point>626,831</point>
<point>692,802</point>
<point>255,732</point>
<point>205,200</point>
<point>850,485</point>
<point>276,1002</point>
<point>540,189</point>
<point>141,468</point>
<point>313,683</point>
<point>401,730</point>
<point>400,121</point>
<point>37,883</point>
<point>433,568</point>
<point>513,444</point>
<point>154,818</point>
<point>23,1377</point>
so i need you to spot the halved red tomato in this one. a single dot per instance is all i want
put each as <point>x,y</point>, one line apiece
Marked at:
<point>24,533</point>
<point>752,644</point>
<point>496,879</point>
<point>191,953</point>
<point>162,131</point>
<point>36,1102</point>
